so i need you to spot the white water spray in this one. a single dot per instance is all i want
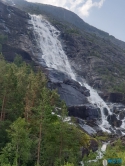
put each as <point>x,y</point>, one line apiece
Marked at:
<point>52,53</point>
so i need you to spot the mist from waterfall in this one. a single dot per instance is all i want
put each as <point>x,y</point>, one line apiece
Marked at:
<point>47,37</point>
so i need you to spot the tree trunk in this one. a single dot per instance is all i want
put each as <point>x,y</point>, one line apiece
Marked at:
<point>2,117</point>
<point>39,145</point>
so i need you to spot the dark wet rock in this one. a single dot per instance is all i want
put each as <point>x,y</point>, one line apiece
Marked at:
<point>84,151</point>
<point>123,140</point>
<point>87,93</point>
<point>118,132</point>
<point>94,124</point>
<point>88,129</point>
<point>122,115</point>
<point>105,111</point>
<point>86,111</point>
<point>70,95</point>
<point>104,96</point>
<point>55,76</point>
<point>14,25</point>
<point>116,97</point>
<point>70,91</point>
<point>116,110</point>
<point>112,119</point>
<point>77,86</point>
<point>112,131</point>
<point>93,146</point>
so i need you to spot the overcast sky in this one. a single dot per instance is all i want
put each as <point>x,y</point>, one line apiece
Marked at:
<point>107,15</point>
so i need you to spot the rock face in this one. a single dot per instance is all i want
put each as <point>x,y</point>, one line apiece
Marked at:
<point>112,119</point>
<point>14,25</point>
<point>94,54</point>
<point>89,59</point>
<point>70,91</point>
<point>122,115</point>
<point>114,97</point>
<point>67,16</point>
<point>86,111</point>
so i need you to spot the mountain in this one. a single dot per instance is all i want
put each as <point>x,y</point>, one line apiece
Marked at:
<point>94,54</point>
<point>75,57</point>
<point>72,55</point>
<point>62,14</point>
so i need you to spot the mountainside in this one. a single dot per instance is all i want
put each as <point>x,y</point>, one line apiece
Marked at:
<point>93,58</point>
<point>92,53</point>
<point>67,16</point>
<point>77,60</point>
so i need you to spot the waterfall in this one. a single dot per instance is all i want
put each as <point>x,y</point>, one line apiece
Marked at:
<point>52,53</point>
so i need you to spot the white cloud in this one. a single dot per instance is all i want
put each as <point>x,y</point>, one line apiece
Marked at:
<point>85,8</point>
<point>81,7</point>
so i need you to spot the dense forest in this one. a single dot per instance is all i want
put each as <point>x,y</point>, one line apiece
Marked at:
<point>33,129</point>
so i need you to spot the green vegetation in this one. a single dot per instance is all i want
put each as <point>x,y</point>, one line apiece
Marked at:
<point>72,31</point>
<point>3,38</point>
<point>115,151</point>
<point>112,77</point>
<point>31,133</point>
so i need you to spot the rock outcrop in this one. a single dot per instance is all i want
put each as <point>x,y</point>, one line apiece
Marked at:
<point>86,111</point>
<point>69,90</point>
<point>14,25</point>
<point>112,119</point>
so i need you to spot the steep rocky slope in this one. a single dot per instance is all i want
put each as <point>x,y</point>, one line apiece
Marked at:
<point>13,25</point>
<point>65,15</point>
<point>93,54</point>
<point>16,27</point>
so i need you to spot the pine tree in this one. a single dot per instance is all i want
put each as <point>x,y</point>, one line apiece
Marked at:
<point>17,152</point>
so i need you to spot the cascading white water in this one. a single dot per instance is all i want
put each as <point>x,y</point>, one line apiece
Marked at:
<point>51,48</point>
<point>54,57</point>
<point>99,102</point>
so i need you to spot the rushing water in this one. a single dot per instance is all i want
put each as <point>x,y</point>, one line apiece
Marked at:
<point>47,37</point>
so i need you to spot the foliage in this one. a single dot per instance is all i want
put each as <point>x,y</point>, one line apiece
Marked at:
<point>18,60</point>
<point>74,31</point>
<point>3,39</point>
<point>115,151</point>
<point>0,47</point>
<point>31,132</point>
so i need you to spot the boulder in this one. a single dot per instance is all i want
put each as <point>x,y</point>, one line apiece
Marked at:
<point>112,119</point>
<point>116,97</point>
<point>105,111</point>
<point>77,86</point>
<point>87,128</point>
<point>69,90</point>
<point>86,111</point>
<point>122,115</point>
<point>92,146</point>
